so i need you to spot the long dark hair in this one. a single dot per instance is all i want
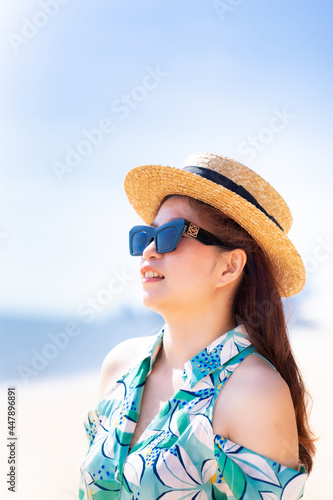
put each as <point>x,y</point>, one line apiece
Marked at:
<point>258,306</point>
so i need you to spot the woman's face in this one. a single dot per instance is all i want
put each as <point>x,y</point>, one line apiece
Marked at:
<point>189,273</point>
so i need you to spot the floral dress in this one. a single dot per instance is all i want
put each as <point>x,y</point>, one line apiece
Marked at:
<point>178,456</point>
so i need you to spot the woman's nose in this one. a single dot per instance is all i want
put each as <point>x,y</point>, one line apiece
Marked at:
<point>150,251</point>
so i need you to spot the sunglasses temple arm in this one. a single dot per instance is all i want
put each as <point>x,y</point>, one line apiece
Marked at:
<point>210,239</point>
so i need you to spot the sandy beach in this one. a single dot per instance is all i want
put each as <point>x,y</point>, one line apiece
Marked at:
<point>51,439</point>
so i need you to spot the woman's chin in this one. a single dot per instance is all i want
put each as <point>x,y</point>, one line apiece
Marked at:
<point>154,303</point>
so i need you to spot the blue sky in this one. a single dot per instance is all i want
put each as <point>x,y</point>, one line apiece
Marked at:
<point>224,70</point>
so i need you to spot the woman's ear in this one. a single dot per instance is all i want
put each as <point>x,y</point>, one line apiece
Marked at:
<point>232,265</point>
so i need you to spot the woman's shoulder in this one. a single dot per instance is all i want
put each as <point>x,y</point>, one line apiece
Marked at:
<point>256,383</point>
<point>255,410</point>
<point>121,358</point>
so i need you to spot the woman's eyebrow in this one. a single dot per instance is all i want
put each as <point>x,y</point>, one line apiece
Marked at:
<point>158,225</point>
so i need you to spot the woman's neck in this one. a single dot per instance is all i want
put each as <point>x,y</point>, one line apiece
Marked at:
<point>186,337</point>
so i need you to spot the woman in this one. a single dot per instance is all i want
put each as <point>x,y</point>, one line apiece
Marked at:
<point>214,406</point>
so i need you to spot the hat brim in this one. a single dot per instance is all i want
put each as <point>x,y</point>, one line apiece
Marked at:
<point>146,186</point>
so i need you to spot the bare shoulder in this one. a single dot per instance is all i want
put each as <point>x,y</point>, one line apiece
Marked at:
<point>120,359</point>
<point>255,410</point>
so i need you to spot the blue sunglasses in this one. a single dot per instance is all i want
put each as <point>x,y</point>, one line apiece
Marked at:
<point>167,236</point>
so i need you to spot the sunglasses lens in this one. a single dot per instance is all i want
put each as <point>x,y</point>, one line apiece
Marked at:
<point>140,240</point>
<point>166,239</point>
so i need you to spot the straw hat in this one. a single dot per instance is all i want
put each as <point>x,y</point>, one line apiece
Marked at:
<point>238,192</point>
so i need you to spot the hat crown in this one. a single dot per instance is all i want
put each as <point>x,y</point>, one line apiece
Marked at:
<point>260,189</point>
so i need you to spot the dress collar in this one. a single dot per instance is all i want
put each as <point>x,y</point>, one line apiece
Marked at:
<point>218,353</point>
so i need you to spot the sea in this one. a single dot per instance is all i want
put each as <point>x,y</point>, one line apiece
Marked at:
<point>37,347</point>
